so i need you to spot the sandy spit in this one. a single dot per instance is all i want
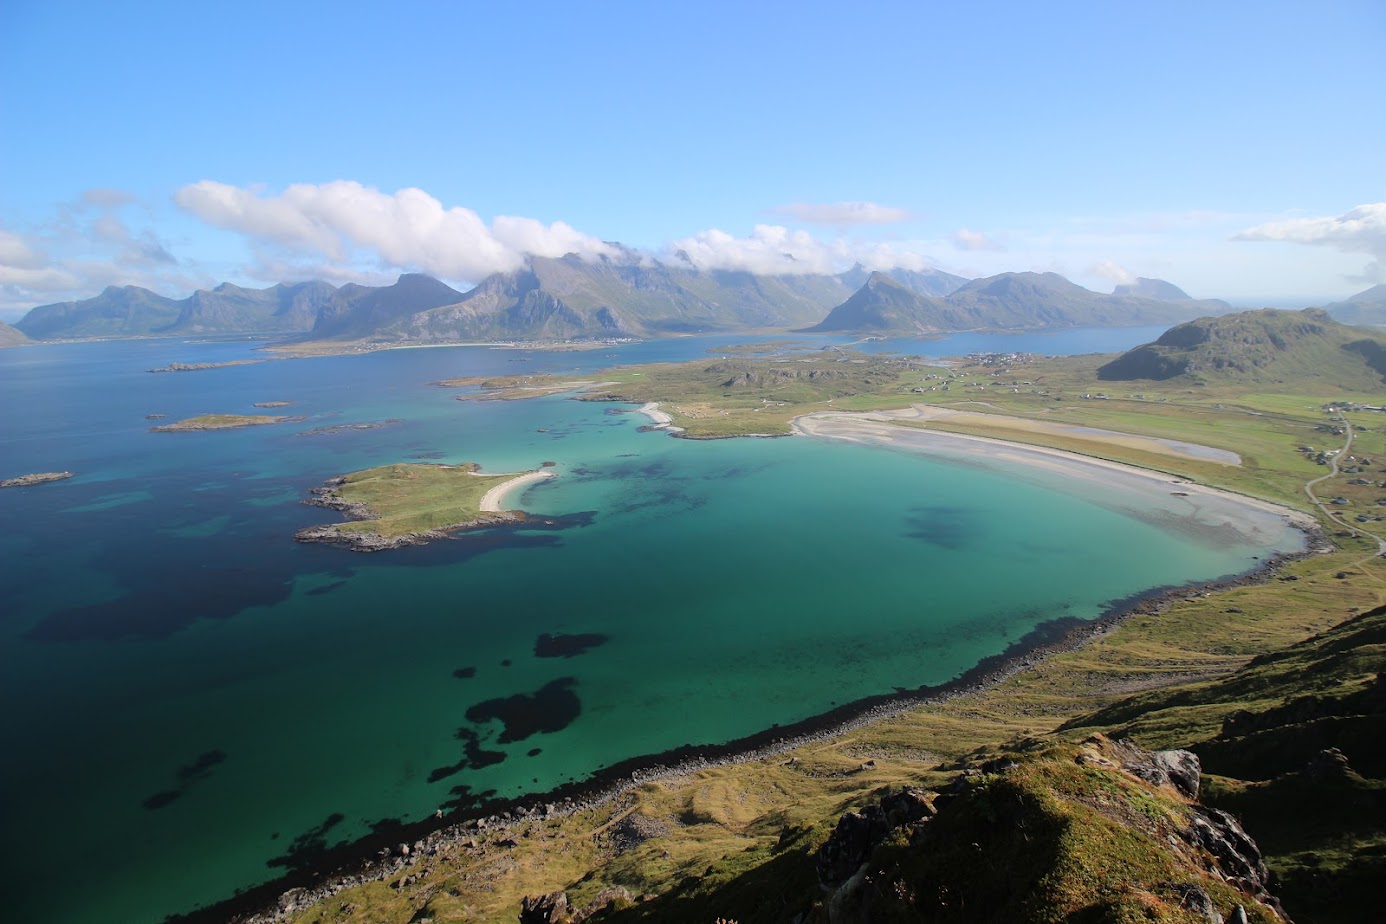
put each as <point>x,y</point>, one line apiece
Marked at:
<point>493,500</point>
<point>1211,506</point>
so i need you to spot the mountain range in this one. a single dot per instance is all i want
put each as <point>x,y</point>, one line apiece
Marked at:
<point>1367,307</point>
<point>1265,346</point>
<point>1012,301</point>
<point>625,295</point>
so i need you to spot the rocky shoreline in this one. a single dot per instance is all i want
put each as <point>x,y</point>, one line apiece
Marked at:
<point>377,857</point>
<point>23,481</point>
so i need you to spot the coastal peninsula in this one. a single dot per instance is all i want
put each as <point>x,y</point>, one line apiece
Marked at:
<point>218,422</point>
<point>23,481</point>
<point>413,503</point>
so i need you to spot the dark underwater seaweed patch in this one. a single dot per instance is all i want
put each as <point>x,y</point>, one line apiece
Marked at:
<point>944,526</point>
<point>474,756</point>
<point>165,602</point>
<point>309,847</point>
<point>188,774</point>
<point>561,645</point>
<point>552,708</point>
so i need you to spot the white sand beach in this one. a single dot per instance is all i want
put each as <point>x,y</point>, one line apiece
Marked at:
<point>660,419</point>
<point>1174,501</point>
<point>493,500</point>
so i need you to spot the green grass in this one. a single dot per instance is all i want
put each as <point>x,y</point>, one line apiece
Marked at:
<point>219,422</point>
<point>415,498</point>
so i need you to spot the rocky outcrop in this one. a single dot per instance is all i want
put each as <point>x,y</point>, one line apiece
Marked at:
<point>1179,769</point>
<point>554,908</point>
<point>859,833</point>
<point>23,481</point>
<point>1099,831</point>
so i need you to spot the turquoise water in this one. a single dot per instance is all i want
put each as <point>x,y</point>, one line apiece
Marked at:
<point>191,692</point>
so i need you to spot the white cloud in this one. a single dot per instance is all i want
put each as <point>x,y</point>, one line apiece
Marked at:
<point>87,247</point>
<point>776,250</point>
<point>1113,272</point>
<point>17,253</point>
<point>965,239</point>
<point>843,213</point>
<point>1362,230</point>
<point>344,222</point>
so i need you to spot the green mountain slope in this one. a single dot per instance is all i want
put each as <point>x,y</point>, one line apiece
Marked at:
<point>1010,301</point>
<point>1270,346</point>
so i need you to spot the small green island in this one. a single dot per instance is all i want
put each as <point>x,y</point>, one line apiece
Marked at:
<point>413,503</point>
<point>195,367</point>
<point>23,481</point>
<point>218,422</point>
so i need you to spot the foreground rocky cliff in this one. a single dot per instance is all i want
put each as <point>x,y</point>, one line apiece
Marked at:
<point>1101,831</point>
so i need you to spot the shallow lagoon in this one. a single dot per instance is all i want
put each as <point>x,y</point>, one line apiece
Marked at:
<point>195,692</point>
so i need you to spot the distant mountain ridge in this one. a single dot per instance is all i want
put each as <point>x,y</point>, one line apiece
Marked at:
<point>1009,301</point>
<point>567,297</point>
<point>1153,288</point>
<point>625,295</point>
<point>1266,346</point>
<point>287,308</point>
<point>1368,307</point>
<point>551,298</point>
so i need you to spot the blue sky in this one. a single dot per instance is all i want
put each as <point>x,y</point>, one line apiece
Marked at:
<point>1237,149</point>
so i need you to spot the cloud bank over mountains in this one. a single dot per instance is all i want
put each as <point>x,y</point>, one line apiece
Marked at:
<point>345,231</point>
<point>344,220</point>
<point>776,250</point>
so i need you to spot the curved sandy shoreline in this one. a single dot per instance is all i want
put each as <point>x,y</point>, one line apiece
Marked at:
<point>660,420</point>
<point>1114,483</point>
<point>493,500</point>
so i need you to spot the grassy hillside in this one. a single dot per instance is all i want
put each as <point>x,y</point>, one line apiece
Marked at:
<point>1307,348</point>
<point>1294,745</point>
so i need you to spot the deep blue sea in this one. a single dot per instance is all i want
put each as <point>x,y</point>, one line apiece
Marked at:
<point>192,698</point>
